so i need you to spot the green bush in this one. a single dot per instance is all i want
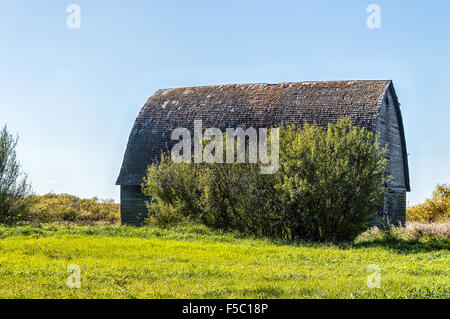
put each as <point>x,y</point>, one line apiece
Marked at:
<point>227,196</point>
<point>176,191</point>
<point>238,196</point>
<point>14,187</point>
<point>331,180</point>
<point>328,186</point>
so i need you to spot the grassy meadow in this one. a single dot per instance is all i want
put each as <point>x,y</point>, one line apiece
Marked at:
<point>196,262</point>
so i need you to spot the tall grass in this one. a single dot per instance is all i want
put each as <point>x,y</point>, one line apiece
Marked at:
<point>412,231</point>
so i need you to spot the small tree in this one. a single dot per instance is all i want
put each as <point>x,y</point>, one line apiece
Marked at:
<point>14,187</point>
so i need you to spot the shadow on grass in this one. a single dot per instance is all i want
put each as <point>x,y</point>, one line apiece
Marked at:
<point>199,232</point>
<point>401,245</point>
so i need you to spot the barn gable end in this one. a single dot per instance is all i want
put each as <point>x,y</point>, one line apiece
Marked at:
<point>369,104</point>
<point>390,127</point>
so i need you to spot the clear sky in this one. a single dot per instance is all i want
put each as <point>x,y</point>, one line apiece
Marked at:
<point>72,94</point>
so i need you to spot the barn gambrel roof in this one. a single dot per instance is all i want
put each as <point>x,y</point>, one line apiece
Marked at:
<point>248,105</point>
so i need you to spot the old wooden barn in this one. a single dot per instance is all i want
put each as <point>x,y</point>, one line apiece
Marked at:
<point>370,104</point>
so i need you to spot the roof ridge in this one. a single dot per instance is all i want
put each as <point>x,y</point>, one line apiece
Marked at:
<point>267,84</point>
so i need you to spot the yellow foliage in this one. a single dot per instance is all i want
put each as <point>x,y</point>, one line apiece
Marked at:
<point>435,209</point>
<point>68,208</point>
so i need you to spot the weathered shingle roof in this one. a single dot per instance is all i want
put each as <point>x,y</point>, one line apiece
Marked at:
<point>244,105</point>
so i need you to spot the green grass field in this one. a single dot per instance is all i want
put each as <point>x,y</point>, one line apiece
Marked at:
<point>195,262</point>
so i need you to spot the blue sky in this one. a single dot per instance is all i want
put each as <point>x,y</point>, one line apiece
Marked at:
<point>72,94</point>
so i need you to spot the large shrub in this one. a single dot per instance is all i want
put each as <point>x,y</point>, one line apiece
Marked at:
<point>435,209</point>
<point>331,180</point>
<point>328,186</point>
<point>14,187</point>
<point>227,196</point>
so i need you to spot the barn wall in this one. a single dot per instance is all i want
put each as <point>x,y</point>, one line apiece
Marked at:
<point>389,129</point>
<point>132,205</point>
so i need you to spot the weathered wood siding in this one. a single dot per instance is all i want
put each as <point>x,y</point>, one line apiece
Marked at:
<point>394,203</point>
<point>133,209</point>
